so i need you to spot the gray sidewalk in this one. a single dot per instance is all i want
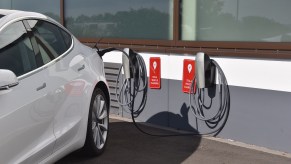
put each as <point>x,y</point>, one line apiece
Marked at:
<point>127,145</point>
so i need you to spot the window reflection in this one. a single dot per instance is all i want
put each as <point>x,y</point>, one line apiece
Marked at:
<point>50,39</point>
<point>16,53</point>
<point>5,4</point>
<point>50,8</point>
<point>236,20</point>
<point>134,19</point>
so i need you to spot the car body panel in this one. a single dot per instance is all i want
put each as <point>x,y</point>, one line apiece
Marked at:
<point>45,116</point>
<point>69,87</point>
<point>26,124</point>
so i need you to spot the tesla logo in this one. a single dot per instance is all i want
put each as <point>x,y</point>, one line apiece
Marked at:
<point>188,74</point>
<point>155,73</point>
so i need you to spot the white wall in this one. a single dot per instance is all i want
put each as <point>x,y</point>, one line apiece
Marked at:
<point>251,73</point>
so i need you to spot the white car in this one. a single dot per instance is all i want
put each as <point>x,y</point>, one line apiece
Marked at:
<point>54,97</point>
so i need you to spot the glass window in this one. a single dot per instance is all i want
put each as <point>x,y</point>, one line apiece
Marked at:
<point>131,19</point>
<point>50,8</point>
<point>236,20</point>
<point>52,41</point>
<point>67,38</point>
<point>16,53</point>
<point>5,4</point>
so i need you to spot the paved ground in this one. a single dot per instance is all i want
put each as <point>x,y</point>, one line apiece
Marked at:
<point>127,145</point>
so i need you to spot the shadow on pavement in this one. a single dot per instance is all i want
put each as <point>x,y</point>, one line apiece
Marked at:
<point>177,121</point>
<point>127,145</point>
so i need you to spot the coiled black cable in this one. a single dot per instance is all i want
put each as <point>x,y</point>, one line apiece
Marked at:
<point>131,87</point>
<point>198,107</point>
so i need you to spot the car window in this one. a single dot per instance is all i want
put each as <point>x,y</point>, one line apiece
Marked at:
<point>67,38</point>
<point>50,37</point>
<point>16,52</point>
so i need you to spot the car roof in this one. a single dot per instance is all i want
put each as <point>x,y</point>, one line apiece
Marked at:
<point>10,15</point>
<point>6,12</point>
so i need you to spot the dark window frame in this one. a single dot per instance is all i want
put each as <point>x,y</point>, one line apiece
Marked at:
<point>279,50</point>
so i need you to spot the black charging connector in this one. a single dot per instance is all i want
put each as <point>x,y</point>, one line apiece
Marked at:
<point>210,73</point>
<point>134,62</point>
<point>104,51</point>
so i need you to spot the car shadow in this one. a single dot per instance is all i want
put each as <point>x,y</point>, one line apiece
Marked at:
<point>127,145</point>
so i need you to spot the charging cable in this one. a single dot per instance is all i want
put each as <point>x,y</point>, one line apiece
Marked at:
<point>198,107</point>
<point>136,86</point>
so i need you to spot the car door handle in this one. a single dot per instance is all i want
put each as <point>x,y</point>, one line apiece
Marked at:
<point>41,87</point>
<point>81,68</point>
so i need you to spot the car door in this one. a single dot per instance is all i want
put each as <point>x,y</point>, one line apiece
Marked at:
<point>26,123</point>
<point>66,86</point>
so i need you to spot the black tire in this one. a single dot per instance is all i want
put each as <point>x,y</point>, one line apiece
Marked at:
<point>98,124</point>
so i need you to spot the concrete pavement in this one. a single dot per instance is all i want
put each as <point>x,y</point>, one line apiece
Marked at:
<point>127,145</point>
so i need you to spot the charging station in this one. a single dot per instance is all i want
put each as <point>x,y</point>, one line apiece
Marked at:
<point>253,98</point>
<point>200,74</point>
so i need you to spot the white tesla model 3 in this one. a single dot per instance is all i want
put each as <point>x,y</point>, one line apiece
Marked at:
<point>54,97</point>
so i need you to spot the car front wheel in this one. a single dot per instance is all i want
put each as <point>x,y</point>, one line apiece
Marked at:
<point>98,124</point>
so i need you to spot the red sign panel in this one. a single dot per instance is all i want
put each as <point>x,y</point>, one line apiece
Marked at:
<point>188,74</point>
<point>155,73</point>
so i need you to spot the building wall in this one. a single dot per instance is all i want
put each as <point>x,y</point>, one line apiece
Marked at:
<point>259,99</point>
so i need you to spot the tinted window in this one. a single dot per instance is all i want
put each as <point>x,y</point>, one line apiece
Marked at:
<point>50,38</point>
<point>133,19</point>
<point>47,7</point>
<point>67,38</point>
<point>16,53</point>
<point>1,16</point>
<point>236,20</point>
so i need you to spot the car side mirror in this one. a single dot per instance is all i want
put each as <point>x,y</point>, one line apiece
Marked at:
<point>7,79</point>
